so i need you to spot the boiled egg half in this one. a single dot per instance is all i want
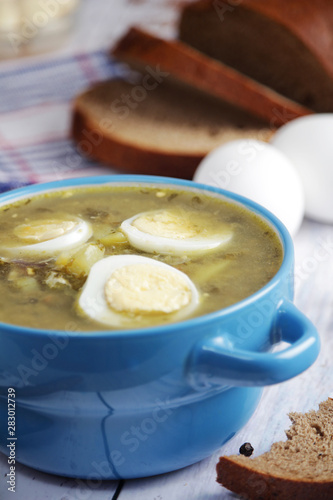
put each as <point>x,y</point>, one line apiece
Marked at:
<point>46,238</point>
<point>174,232</point>
<point>133,291</point>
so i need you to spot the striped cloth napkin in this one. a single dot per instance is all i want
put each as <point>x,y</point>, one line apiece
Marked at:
<point>35,116</point>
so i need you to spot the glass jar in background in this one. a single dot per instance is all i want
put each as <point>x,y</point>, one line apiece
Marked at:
<point>33,26</point>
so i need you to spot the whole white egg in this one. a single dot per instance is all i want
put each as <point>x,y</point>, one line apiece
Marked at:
<point>308,143</point>
<point>260,172</point>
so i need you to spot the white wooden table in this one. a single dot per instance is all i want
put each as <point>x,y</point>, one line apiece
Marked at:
<point>314,296</point>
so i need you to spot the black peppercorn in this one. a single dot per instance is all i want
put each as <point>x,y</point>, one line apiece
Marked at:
<point>246,449</point>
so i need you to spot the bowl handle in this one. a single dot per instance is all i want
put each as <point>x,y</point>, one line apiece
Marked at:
<point>216,362</point>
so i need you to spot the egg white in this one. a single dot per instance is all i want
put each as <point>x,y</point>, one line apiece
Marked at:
<point>142,305</point>
<point>167,235</point>
<point>51,236</point>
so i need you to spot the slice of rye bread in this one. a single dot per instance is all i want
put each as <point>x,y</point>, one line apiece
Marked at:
<point>139,48</point>
<point>284,45</point>
<point>300,468</point>
<point>165,129</point>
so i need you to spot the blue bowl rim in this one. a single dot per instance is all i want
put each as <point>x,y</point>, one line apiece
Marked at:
<point>285,239</point>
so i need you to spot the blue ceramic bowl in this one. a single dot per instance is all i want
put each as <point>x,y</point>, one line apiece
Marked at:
<point>135,403</point>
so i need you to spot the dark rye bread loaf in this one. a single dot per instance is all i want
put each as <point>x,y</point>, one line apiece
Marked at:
<point>286,45</point>
<point>139,48</point>
<point>156,126</point>
<point>300,468</point>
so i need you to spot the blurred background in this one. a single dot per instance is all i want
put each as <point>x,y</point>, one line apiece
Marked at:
<point>50,50</point>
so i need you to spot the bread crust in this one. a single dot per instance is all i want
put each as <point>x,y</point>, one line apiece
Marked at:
<point>303,17</point>
<point>167,133</point>
<point>133,159</point>
<point>251,484</point>
<point>188,65</point>
<point>307,22</point>
<point>248,477</point>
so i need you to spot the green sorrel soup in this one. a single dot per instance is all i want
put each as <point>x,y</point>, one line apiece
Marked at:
<point>115,257</point>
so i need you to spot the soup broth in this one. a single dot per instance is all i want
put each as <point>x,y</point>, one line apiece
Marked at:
<point>77,229</point>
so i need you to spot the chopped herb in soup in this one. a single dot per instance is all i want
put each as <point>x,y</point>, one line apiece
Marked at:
<point>115,257</point>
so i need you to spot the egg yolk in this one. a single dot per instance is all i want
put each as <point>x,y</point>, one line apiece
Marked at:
<point>38,231</point>
<point>146,289</point>
<point>168,225</point>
